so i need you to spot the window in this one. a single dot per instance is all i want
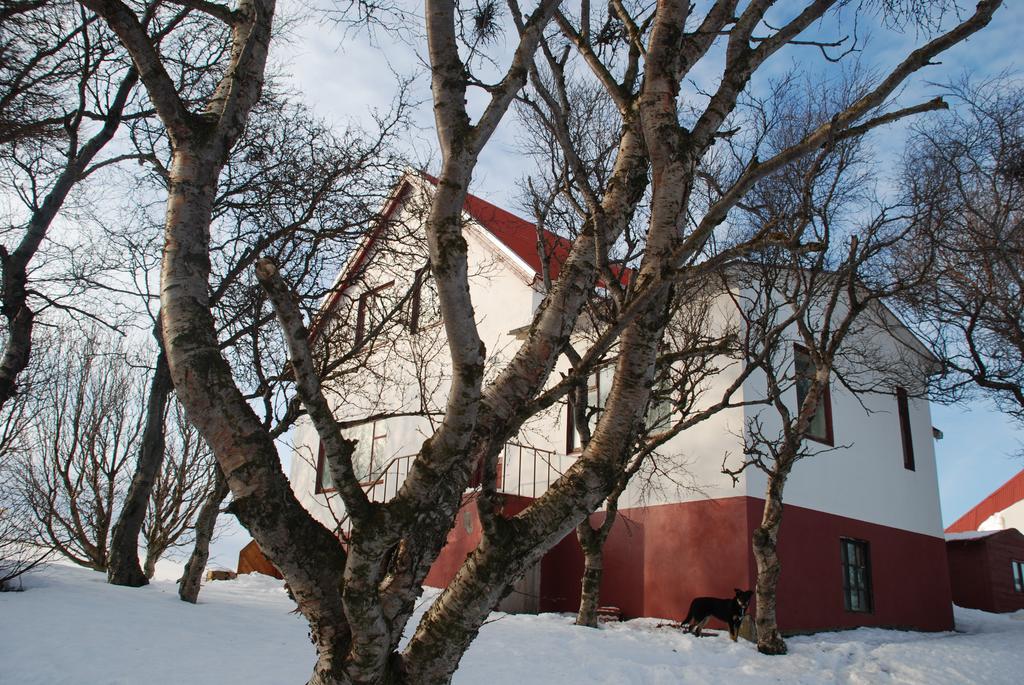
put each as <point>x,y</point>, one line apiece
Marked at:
<point>324,480</point>
<point>820,428</point>
<point>598,387</point>
<point>856,575</point>
<point>1018,575</point>
<point>908,441</point>
<point>597,393</point>
<point>659,408</point>
<point>369,310</point>
<point>419,279</point>
<point>570,426</point>
<point>367,459</point>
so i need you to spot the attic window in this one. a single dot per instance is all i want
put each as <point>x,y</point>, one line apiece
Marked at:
<point>369,311</point>
<point>820,428</point>
<point>416,305</point>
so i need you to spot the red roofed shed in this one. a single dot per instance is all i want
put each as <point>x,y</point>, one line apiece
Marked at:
<point>986,569</point>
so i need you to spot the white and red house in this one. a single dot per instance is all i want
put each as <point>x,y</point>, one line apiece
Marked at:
<point>861,542</point>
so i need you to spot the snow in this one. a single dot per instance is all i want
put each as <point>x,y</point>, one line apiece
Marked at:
<point>69,626</point>
<point>972,534</point>
<point>994,522</point>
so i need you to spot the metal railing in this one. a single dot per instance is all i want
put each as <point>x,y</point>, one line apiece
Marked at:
<point>515,463</point>
<point>536,464</point>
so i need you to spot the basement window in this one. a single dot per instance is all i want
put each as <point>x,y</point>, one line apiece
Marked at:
<point>1018,575</point>
<point>856,561</point>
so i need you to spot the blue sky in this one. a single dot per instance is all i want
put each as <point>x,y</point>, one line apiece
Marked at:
<point>980,450</point>
<point>346,75</point>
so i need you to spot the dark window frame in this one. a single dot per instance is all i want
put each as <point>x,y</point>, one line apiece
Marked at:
<point>859,599</point>
<point>321,464</point>
<point>321,461</point>
<point>906,438</point>
<point>570,426</point>
<point>419,279</point>
<point>824,402</point>
<point>362,305</point>
<point>1017,568</point>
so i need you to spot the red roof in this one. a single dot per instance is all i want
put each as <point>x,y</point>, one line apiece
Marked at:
<point>518,235</point>
<point>1009,493</point>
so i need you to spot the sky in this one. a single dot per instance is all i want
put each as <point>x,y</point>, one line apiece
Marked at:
<point>345,75</point>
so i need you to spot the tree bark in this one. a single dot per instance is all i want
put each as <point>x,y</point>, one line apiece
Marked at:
<point>149,566</point>
<point>188,587</point>
<point>592,541</point>
<point>769,567</point>
<point>123,567</point>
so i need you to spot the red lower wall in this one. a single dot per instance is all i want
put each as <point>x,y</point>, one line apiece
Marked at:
<point>970,574</point>
<point>909,573</point>
<point>657,559</point>
<point>464,537</point>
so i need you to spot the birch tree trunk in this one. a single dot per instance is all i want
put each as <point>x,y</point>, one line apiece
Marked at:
<point>592,542</point>
<point>123,566</point>
<point>149,566</point>
<point>769,567</point>
<point>206,522</point>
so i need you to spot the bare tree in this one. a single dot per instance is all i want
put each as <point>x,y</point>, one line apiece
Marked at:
<point>64,91</point>
<point>358,601</point>
<point>964,176</point>
<point>85,431</point>
<point>292,187</point>
<point>187,479</point>
<point>81,442</point>
<point>206,522</point>
<point>809,319</point>
<point>696,348</point>
<point>21,546</point>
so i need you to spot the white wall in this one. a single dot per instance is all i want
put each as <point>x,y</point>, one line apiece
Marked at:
<point>503,300</point>
<point>863,476</point>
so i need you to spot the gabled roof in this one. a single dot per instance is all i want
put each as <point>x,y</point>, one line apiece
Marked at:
<point>518,235</point>
<point>1008,494</point>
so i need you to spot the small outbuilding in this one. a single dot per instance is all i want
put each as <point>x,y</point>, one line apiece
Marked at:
<point>986,569</point>
<point>252,560</point>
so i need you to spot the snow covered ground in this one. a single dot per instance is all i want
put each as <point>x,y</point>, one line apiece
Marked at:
<point>71,627</point>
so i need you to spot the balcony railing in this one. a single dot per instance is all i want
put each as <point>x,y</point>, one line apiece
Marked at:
<point>527,471</point>
<point>522,470</point>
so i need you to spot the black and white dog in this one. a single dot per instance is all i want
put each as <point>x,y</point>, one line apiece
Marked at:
<point>730,611</point>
